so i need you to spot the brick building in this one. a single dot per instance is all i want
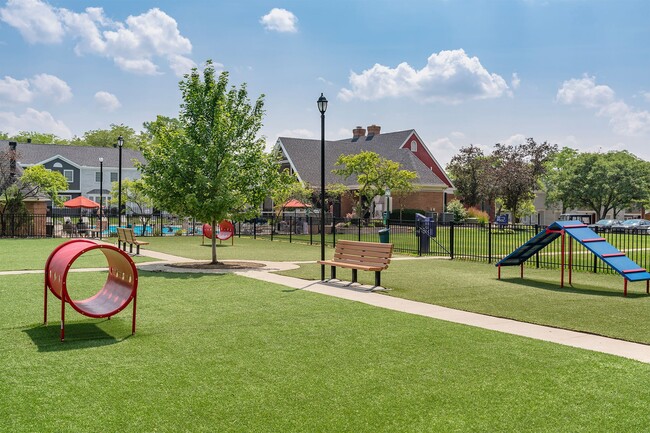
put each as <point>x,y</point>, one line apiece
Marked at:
<point>302,156</point>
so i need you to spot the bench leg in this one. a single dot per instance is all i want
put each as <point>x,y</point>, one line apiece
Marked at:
<point>333,273</point>
<point>137,250</point>
<point>130,248</point>
<point>377,278</point>
<point>354,275</point>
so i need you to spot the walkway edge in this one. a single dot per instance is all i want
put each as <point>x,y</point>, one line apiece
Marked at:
<point>626,349</point>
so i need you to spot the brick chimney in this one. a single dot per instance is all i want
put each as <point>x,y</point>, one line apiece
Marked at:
<point>358,132</point>
<point>374,130</point>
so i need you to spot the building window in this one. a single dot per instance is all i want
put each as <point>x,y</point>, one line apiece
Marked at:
<point>57,165</point>
<point>65,197</point>
<point>69,175</point>
<point>98,176</point>
<point>414,146</point>
<point>113,177</point>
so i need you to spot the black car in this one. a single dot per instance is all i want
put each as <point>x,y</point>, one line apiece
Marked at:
<point>632,226</point>
<point>604,225</point>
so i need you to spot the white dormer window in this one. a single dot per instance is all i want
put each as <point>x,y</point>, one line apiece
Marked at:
<point>414,146</point>
<point>57,165</point>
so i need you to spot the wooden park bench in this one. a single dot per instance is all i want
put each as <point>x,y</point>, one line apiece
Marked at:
<point>365,256</point>
<point>126,236</point>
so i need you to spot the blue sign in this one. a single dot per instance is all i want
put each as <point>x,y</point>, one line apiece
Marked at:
<point>502,219</point>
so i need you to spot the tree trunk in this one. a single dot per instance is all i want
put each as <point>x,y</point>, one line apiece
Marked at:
<point>214,242</point>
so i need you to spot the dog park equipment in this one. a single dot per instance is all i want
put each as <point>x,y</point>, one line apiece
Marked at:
<point>118,291</point>
<point>226,231</point>
<point>586,237</point>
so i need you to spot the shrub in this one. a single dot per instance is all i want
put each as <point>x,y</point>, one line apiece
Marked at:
<point>480,215</point>
<point>457,208</point>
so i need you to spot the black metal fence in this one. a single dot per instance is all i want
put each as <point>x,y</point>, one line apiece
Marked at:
<point>470,241</point>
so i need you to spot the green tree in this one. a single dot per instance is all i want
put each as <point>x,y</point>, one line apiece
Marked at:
<point>135,197</point>
<point>374,175</point>
<point>602,182</point>
<point>211,165</point>
<point>108,137</point>
<point>517,169</point>
<point>287,188</point>
<point>36,137</point>
<point>467,170</point>
<point>15,188</point>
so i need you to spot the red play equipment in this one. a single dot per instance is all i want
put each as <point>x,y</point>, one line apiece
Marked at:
<point>226,231</point>
<point>120,288</point>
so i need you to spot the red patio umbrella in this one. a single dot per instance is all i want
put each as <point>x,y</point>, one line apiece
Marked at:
<point>295,204</point>
<point>81,201</point>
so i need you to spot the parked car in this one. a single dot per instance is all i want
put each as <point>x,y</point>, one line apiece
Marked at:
<point>604,225</point>
<point>632,226</point>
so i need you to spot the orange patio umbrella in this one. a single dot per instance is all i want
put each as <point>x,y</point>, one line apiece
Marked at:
<point>81,202</point>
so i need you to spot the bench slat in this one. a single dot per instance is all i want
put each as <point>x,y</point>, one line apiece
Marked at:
<point>351,265</point>
<point>342,257</point>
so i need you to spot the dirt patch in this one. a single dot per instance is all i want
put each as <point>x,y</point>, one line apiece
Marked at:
<point>220,265</point>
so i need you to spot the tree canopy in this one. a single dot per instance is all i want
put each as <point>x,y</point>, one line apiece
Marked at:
<point>601,182</point>
<point>211,164</point>
<point>374,175</point>
<point>510,174</point>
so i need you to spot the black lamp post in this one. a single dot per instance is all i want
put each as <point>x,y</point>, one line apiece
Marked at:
<point>322,107</point>
<point>120,143</point>
<point>101,196</point>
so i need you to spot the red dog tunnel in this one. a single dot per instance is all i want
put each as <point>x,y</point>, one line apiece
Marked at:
<point>226,230</point>
<point>119,289</point>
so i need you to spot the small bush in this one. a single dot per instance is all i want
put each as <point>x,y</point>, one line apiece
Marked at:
<point>457,208</point>
<point>480,215</point>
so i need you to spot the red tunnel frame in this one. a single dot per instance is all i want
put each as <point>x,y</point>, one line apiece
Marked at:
<point>119,290</point>
<point>226,230</point>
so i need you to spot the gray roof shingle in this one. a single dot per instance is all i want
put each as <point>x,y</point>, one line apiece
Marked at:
<point>85,156</point>
<point>305,156</point>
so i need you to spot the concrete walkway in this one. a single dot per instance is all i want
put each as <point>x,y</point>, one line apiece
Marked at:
<point>359,293</point>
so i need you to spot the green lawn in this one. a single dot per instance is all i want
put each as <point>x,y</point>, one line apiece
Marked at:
<point>594,304</point>
<point>24,254</point>
<point>244,248</point>
<point>225,353</point>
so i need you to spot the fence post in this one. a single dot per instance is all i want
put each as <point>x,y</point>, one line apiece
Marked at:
<point>333,234</point>
<point>451,240</point>
<point>537,253</point>
<point>255,228</point>
<point>489,242</point>
<point>359,230</point>
<point>239,231</point>
<point>290,227</point>
<point>311,233</point>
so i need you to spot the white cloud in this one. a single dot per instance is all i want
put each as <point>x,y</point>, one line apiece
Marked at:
<point>13,90</point>
<point>137,66</point>
<point>625,120</point>
<point>584,91</point>
<point>280,20</point>
<point>134,45</point>
<point>515,82</point>
<point>41,85</point>
<point>35,20</point>
<point>449,76</point>
<point>297,133</point>
<point>514,140</point>
<point>52,86</point>
<point>107,101</point>
<point>182,65</point>
<point>646,96</point>
<point>33,120</point>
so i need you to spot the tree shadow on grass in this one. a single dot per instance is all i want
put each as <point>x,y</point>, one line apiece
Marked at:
<point>77,336</point>
<point>178,275</point>
<point>575,288</point>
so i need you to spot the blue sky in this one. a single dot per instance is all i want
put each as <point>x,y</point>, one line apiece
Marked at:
<point>570,72</point>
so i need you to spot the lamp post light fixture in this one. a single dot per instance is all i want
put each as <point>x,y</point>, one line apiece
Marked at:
<point>120,143</point>
<point>101,196</point>
<point>322,107</point>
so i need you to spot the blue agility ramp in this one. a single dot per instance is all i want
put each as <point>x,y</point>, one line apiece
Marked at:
<point>586,237</point>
